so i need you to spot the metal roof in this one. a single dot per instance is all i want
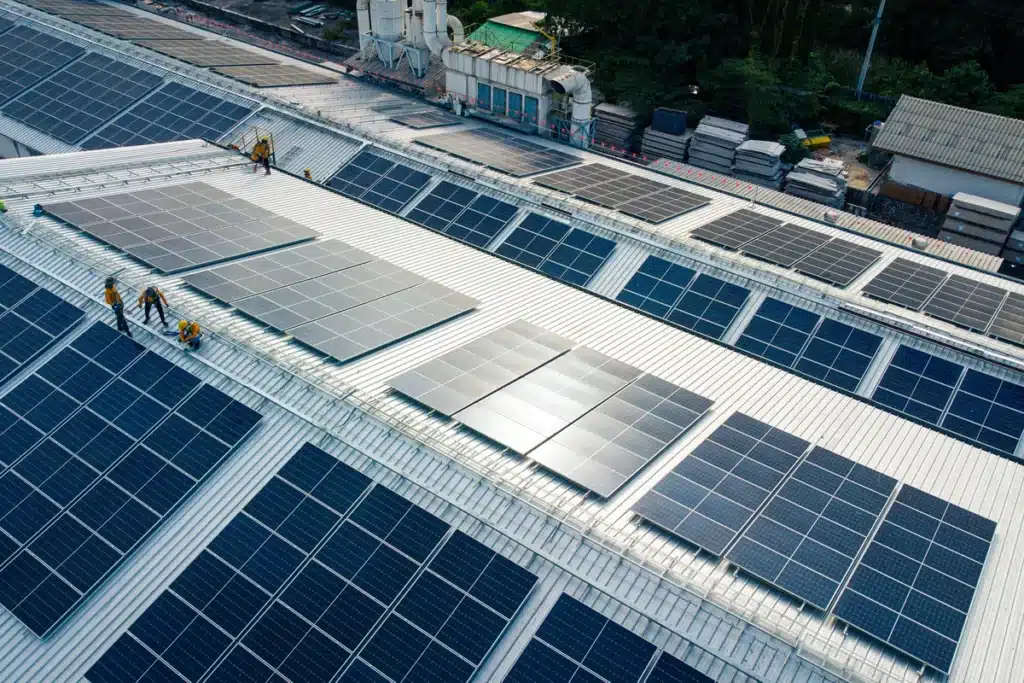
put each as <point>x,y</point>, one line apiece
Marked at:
<point>952,136</point>
<point>746,631</point>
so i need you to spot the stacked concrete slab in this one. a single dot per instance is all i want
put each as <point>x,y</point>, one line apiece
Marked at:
<point>715,142</point>
<point>979,223</point>
<point>1014,249</point>
<point>823,181</point>
<point>760,162</point>
<point>617,126</point>
<point>660,145</point>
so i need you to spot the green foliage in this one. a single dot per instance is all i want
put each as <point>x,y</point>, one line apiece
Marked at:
<point>1009,103</point>
<point>795,150</point>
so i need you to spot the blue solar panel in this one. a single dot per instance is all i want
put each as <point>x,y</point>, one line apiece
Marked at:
<point>13,288</point>
<point>568,254</point>
<point>839,355</point>
<point>778,332</point>
<point>324,574</point>
<point>127,444</point>
<point>918,384</point>
<point>5,24</point>
<point>27,56</point>
<point>174,112</point>
<point>379,182</point>
<point>657,286</point>
<point>32,326</point>
<point>463,214</point>
<point>987,411</point>
<point>916,581</point>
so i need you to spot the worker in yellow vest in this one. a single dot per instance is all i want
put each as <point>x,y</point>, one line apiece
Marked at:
<point>261,155</point>
<point>189,334</point>
<point>113,299</point>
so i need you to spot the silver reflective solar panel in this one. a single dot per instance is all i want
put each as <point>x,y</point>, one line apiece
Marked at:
<point>427,119</point>
<point>462,377</point>
<point>839,262</point>
<point>736,229</point>
<point>966,302</point>
<point>1009,321</point>
<point>606,447</point>
<point>206,53</point>
<point>905,283</point>
<point>533,409</point>
<point>276,75</point>
<point>506,153</point>
<point>785,245</point>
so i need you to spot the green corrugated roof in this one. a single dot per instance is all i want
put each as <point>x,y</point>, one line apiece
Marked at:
<point>505,37</point>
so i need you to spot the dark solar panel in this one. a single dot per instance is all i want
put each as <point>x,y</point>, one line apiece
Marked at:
<point>276,75</point>
<point>69,8</point>
<point>565,253</point>
<point>838,262</point>
<point>118,460</point>
<point>5,24</point>
<point>509,154</point>
<point>656,286</point>
<point>915,584</point>
<point>206,53</point>
<point>711,495</point>
<point>533,240</point>
<point>262,274</point>
<point>606,447</point>
<point>181,226</point>
<point>778,332</point>
<point>323,573</point>
<point>174,112</point>
<point>918,384</point>
<point>82,97</point>
<point>736,229</point>
<point>965,302</point>
<point>905,283</point>
<point>988,411</point>
<point>379,182</point>
<point>31,326</point>
<point>671,670</point>
<point>808,536</point>
<point>534,408</point>
<point>463,214</point>
<point>1008,323</point>
<point>13,288</point>
<point>427,119</point>
<point>785,245</point>
<point>28,56</point>
<point>462,377</point>
<point>134,27</point>
<point>838,355</point>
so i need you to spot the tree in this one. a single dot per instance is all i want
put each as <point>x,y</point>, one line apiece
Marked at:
<point>965,85</point>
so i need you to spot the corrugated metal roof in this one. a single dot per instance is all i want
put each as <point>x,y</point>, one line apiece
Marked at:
<point>952,136</point>
<point>696,598</point>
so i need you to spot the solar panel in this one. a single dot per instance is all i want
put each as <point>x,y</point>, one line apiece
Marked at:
<point>116,463</point>
<point>276,75</point>
<point>70,8</point>
<point>79,99</point>
<point>262,274</point>
<point>905,283</point>
<point>656,286</point>
<point>323,572</point>
<point>671,670</point>
<point>1008,323</point>
<point>463,214</point>
<point>916,581</point>
<point>5,24</point>
<point>13,288</point>
<point>838,355</point>
<point>180,226</point>
<point>567,254</point>
<point>606,447</point>
<point>808,536</point>
<point>379,182</point>
<point>918,384</point>
<point>427,119</point>
<point>534,408</point>
<point>987,411</point>
<point>838,262</point>
<point>785,245</point>
<point>206,53</point>
<point>134,27</point>
<point>375,324</point>
<point>174,112</point>
<point>965,302</point>
<point>734,230</point>
<point>509,154</point>
<point>712,494</point>
<point>28,56</point>
<point>462,377</point>
<point>31,327</point>
<point>778,332</point>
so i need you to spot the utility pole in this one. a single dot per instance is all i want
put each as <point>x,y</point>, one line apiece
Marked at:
<point>871,46</point>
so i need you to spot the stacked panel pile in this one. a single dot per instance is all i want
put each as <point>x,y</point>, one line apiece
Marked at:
<point>760,162</point>
<point>1014,250</point>
<point>715,143</point>
<point>665,145</point>
<point>617,126</point>
<point>821,181</point>
<point>979,223</point>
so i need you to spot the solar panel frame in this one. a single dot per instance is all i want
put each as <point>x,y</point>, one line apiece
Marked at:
<point>905,283</point>
<point>509,154</point>
<point>378,181</point>
<point>276,75</point>
<point>28,56</point>
<point>966,303</point>
<point>736,229</point>
<point>785,245</point>
<point>420,120</point>
<point>918,384</point>
<point>1008,322</point>
<point>463,214</point>
<point>838,262</point>
<point>206,53</point>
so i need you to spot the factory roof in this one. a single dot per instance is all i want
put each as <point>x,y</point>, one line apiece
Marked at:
<point>960,138</point>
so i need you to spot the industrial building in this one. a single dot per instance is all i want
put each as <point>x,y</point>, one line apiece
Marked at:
<point>845,374</point>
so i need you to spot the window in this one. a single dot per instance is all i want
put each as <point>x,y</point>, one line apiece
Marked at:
<point>499,101</point>
<point>483,96</point>
<point>532,109</point>
<point>515,105</point>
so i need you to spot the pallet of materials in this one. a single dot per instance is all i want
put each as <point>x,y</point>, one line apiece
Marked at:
<point>617,126</point>
<point>760,162</point>
<point>665,146</point>
<point>981,219</point>
<point>715,142</point>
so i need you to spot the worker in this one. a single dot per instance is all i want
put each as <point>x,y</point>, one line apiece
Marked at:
<point>190,334</point>
<point>261,155</point>
<point>308,173</point>
<point>151,296</point>
<point>113,299</point>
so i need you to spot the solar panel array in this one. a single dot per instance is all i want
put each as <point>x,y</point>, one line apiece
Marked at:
<point>180,226</point>
<point>134,27</point>
<point>116,463</point>
<point>712,494</point>
<point>578,644</point>
<point>324,573</point>
<point>276,75</point>
<point>568,254</point>
<point>1008,323</point>
<point>778,332</point>
<point>464,214</point>
<point>509,154</point>
<point>206,53</point>
<point>671,292</point>
<point>808,536</point>
<point>28,56</point>
<point>643,198</point>
<point>916,581</point>
<point>838,262</point>
<point>71,8</point>
<point>785,245</point>
<point>966,302</point>
<point>736,229</point>
<point>82,97</point>
<point>378,182</point>
<point>427,119</point>
<point>174,112</point>
<point>905,283</point>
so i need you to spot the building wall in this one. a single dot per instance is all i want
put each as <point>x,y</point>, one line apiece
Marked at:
<point>949,181</point>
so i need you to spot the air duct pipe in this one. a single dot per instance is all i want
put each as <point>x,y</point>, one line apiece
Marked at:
<point>458,33</point>
<point>430,34</point>
<point>363,18</point>
<point>573,81</point>
<point>445,22</point>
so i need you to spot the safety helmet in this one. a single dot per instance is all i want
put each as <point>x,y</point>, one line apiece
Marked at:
<point>110,282</point>
<point>182,324</point>
<point>266,139</point>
